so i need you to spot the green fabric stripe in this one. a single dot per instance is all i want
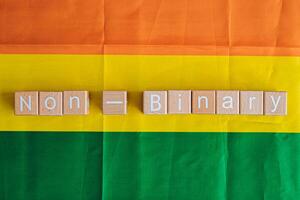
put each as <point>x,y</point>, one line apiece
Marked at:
<point>113,166</point>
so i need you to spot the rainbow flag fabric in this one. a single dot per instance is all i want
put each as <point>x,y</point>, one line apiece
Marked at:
<point>138,45</point>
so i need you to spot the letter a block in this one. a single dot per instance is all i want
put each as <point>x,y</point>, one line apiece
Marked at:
<point>155,102</point>
<point>228,102</point>
<point>179,101</point>
<point>204,102</point>
<point>275,103</point>
<point>251,102</point>
<point>76,102</point>
<point>114,102</point>
<point>50,103</point>
<point>26,103</point>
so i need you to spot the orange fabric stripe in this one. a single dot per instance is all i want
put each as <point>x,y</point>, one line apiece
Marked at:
<point>235,27</point>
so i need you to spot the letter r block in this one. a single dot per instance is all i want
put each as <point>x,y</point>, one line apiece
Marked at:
<point>50,103</point>
<point>26,103</point>
<point>251,102</point>
<point>76,102</point>
<point>155,102</point>
<point>275,103</point>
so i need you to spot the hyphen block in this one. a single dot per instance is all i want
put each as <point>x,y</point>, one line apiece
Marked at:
<point>228,102</point>
<point>251,102</point>
<point>155,102</point>
<point>275,103</point>
<point>76,102</point>
<point>179,101</point>
<point>203,102</point>
<point>26,103</point>
<point>50,103</point>
<point>114,102</point>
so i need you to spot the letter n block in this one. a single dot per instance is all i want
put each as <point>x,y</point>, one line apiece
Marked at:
<point>50,103</point>
<point>155,102</point>
<point>228,102</point>
<point>76,102</point>
<point>275,103</point>
<point>204,102</point>
<point>26,103</point>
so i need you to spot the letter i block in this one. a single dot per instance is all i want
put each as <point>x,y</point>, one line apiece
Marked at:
<point>155,102</point>
<point>179,101</point>
<point>228,102</point>
<point>275,103</point>
<point>26,103</point>
<point>76,102</point>
<point>51,103</point>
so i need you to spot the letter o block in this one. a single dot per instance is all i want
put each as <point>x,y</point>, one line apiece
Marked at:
<point>155,102</point>
<point>50,103</point>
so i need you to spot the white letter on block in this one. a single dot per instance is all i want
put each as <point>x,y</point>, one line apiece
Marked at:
<point>275,103</point>
<point>227,102</point>
<point>52,105</point>
<point>205,99</point>
<point>27,104</point>
<point>71,102</point>
<point>155,99</point>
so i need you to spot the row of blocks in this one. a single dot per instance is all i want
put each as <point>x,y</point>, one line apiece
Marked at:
<point>155,102</point>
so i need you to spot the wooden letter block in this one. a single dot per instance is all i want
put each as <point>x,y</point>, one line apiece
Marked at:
<point>76,102</point>
<point>114,102</point>
<point>204,102</point>
<point>228,102</point>
<point>155,102</point>
<point>275,103</point>
<point>251,102</point>
<point>51,103</point>
<point>179,101</point>
<point>26,103</point>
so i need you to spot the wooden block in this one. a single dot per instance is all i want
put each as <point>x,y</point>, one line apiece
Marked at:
<point>26,103</point>
<point>114,102</point>
<point>155,102</point>
<point>204,102</point>
<point>275,103</point>
<point>179,101</point>
<point>76,102</point>
<point>50,103</point>
<point>228,102</point>
<point>251,102</point>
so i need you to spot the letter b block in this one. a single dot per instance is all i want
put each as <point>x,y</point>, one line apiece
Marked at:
<point>76,102</point>
<point>50,103</point>
<point>155,102</point>
<point>26,103</point>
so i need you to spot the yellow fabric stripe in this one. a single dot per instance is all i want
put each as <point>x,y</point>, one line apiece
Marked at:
<point>138,73</point>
